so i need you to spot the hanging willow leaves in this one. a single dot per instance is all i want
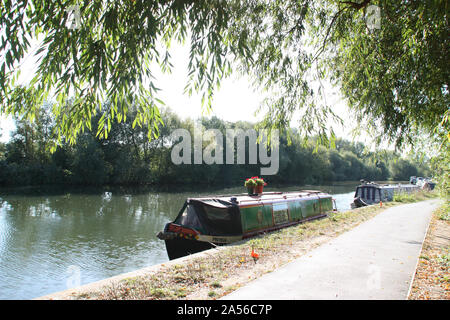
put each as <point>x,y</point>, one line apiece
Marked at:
<point>394,77</point>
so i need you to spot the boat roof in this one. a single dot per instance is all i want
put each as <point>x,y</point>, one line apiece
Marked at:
<point>387,186</point>
<point>223,201</point>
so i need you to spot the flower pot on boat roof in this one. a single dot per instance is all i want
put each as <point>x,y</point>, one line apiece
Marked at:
<point>250,184</point>
<point>255,185</point>
<point>259,185</point>
<point>259,189</point>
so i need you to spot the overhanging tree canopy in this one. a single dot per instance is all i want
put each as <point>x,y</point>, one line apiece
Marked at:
<point>394,77</point>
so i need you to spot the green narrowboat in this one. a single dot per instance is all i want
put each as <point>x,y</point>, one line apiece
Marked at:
<point>204,223</point>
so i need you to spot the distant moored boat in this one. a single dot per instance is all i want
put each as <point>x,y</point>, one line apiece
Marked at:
<point>368,193</point>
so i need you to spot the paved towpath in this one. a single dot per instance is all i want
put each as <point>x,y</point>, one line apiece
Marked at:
<point>375,260</point>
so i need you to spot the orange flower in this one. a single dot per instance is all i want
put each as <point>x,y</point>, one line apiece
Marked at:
<point>254,255</point>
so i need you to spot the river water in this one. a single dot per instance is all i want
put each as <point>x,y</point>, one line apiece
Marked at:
<point>52,240</point>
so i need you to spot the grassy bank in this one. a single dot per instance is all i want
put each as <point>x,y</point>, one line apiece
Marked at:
<point>226,269</point>
<point>432,278</point>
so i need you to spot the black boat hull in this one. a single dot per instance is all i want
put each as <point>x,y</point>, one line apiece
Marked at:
<point>358,203</point>
<point>180,247</point>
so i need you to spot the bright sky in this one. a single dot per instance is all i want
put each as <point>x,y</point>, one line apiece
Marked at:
<point>235,100</point>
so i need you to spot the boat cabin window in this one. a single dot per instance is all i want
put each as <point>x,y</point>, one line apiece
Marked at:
<point>280,213</point>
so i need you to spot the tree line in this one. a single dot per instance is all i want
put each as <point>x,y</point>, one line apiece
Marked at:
<point>127,157</point>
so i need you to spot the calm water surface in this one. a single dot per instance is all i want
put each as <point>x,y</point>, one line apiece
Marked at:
<point>52,240</point>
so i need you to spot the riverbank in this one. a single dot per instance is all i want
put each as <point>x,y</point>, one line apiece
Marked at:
<point>217,272</point>
<point>432,277</point>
